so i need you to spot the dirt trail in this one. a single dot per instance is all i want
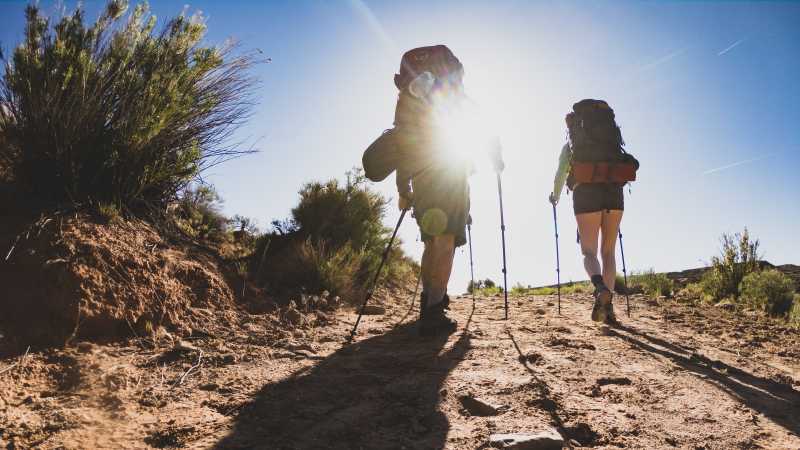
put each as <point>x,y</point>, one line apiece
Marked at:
<point>670,377</point>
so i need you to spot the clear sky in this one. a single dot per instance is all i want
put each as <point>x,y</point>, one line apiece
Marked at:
<point>706,94</point>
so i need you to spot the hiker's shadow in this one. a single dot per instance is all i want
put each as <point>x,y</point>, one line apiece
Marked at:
<point>777,401</point>
<point>382,392</point>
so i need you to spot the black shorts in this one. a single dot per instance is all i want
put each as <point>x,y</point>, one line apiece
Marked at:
<point>593,197</point>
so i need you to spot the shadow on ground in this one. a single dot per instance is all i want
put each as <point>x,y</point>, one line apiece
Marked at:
<point>383,392</point>
<point>778,401</point>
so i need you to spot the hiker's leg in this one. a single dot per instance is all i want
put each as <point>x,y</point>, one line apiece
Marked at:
<point>427,266</point>
<point>589,228</point>
<point>440,259</point>
<point>609,229</point>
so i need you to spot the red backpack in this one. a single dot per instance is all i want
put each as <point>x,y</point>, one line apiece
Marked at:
<point>436,59</point>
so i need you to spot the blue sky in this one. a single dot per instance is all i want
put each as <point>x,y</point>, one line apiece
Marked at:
<point>706,95</point>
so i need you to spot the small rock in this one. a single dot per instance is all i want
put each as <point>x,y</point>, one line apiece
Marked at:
<point>479,407</point>
<point>85,347</point>
<point>726,305</point>
<point>184,346</point>
<point>209,387</point>
<point>294,317</point>
<point>545,440</point>
<point>373,310</point>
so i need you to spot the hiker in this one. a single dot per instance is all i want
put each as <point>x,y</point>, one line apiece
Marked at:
<point>431,175</point>
<point>594,165</point>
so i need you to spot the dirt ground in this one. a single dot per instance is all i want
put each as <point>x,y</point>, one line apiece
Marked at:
<point>671,376</point>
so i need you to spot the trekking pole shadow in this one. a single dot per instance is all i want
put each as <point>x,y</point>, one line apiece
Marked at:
<point>374,282</point>
<point>779,402</point>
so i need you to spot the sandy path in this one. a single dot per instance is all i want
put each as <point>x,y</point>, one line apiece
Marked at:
<point>670,377</point>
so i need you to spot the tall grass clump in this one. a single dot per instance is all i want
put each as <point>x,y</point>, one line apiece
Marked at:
<point>113,112</point>
<point>738,257</point>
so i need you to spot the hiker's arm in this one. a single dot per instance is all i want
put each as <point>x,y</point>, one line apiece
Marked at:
<point>562,172</point>
<point>403,182</point>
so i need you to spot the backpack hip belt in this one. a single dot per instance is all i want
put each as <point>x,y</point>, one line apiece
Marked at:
<point>603,172</point>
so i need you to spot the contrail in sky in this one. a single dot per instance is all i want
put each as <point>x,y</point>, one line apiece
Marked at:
<point>731,47</point>
<point>737,163</point>
<point>368,16</point>
<point>661,60</point>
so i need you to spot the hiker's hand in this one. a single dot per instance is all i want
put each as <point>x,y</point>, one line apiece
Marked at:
<point>553,199</point>
<point>405,200</point>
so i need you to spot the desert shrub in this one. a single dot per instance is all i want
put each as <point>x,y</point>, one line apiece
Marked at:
<point>770,291</point>
<point>486,287</point>
<point>693,293</point>
<point>197,213</point>
<point>794,312</point>
<point>652,283</point>
<point>113,112</point>
<point>738,257</point>
<point>340,226</point>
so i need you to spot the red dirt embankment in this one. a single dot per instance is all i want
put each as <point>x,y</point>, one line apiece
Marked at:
<point>69,276</point>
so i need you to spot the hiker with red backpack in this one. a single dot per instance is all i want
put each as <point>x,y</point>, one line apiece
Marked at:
<point>431,177</point>
<point>595,166</point>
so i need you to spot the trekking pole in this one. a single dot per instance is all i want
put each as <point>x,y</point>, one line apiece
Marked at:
<point>377,274</point>
<point>503,237</point>
<point>624,275</point>
<point>471,268</point>
<point>558,262</point>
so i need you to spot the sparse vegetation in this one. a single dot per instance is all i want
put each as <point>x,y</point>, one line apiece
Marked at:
<point>651,283</point>
<point>768,290</point>
<point>334,241</point>
<point>198,214</point>
<point>114,113</point>
<point>794,312</point>
<point>738,257</point>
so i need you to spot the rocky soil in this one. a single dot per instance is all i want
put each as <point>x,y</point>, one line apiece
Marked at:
<point>671,376</point>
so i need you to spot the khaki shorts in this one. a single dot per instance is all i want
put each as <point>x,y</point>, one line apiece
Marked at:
<point>441,203</point>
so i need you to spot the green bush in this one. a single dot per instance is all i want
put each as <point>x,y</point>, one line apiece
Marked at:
<point>334,241</point>
<point>794,312</point>
<point>115,113</point>
<point>197,213</point>
<point>770,291</point>
<point>652,283</point>
<point>738,257</point>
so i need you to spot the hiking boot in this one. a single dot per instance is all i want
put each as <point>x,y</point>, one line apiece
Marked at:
<point>433,321</point>
<point>603,310</point>
<point>423,304</point>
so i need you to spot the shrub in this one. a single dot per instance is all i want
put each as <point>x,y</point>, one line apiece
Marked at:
<point>113,112</point>
<point>738,257</point>
<point>334,241</point>
<point>770,291</point>
<point>794,312</point>
<point>652,283</point>
<point>694,293</point>
<point>197,213</point>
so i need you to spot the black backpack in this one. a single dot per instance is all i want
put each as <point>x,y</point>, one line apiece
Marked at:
<point>595,137</point>
<point>384,155</point>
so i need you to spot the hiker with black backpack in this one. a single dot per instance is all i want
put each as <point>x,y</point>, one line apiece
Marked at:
<point>431,177</point>
<point>595,166</point>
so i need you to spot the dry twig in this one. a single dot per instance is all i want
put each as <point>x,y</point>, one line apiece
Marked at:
<point>18,363</point>
<point>190,369</point>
